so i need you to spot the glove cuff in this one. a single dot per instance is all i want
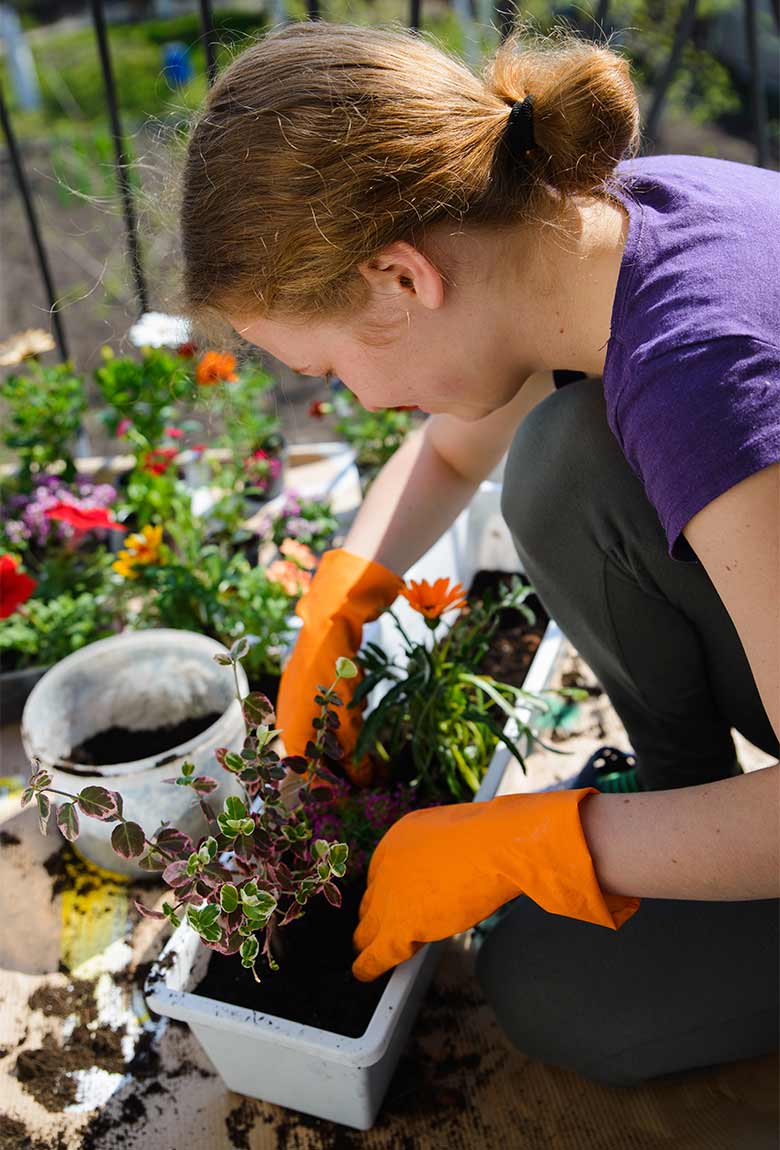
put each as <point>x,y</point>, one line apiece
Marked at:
<point>348,584</point>
<point>558,872</point>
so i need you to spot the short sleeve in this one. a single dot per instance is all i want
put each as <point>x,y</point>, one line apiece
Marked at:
<point>695,422</point>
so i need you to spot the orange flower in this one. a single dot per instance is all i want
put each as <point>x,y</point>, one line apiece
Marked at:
<point>433,599</point>
<point>289,576</point>
<point>299,553</point>
<point>216,366</point>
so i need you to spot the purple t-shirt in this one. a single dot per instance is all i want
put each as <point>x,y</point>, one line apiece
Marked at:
<point>692,373</point>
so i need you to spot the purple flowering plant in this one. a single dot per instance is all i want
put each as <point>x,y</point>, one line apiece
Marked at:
<point>25,525</point>
<point>309,521</point>
<point>361,816</point>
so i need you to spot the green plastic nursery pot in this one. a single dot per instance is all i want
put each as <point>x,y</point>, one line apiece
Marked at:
<point>138,680</point>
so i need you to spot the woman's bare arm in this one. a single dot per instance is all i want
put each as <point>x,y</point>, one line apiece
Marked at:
<point>719,840</point>
<point>432,477</point>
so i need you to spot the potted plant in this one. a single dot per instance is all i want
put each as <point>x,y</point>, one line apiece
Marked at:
<point>172,578</point>
<point>55,587</point>
<point>143,394</point>
<point>250,430</point>
<point>44,410</point>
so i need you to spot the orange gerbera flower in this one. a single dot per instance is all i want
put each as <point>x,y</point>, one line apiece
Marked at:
<point>433,599</point>
<point>215,366</point>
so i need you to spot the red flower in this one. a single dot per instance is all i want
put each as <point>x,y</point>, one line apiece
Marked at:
<point>158,461</point>
<point>199,448</point>
<point>83,518</point>
<point>187,350</point>
<point>174,432</point>
<point>16,587</point>
<point>123,427</point>
<point>319,409</point>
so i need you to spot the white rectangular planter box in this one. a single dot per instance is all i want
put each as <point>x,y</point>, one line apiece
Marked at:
<point>307,1069</point>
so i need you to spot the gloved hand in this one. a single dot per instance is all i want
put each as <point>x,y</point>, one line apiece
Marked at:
<point>439,871</point>
<point>346,592</point>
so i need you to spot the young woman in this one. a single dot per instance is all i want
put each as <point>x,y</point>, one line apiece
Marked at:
<point>492,251</point>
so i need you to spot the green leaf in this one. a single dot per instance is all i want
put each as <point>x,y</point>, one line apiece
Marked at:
<point>44,810</point>
<point>320,848</point>
<point>228,898</point>
<point>233,762</point>
<point>68,821</point>
<point>127,839</point>
<point>239,648</point>
<point>99,803</point>
<point>250,948</point>
<point>258,710</point>
<point>209,915</point>
<point>28,794</point>
<point>223,660</point>
<point>234,807</point>
<point>187,769</point>
<point>345,668</point>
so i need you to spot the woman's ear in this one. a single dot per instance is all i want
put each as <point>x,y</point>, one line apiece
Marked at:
<point>400,271</point>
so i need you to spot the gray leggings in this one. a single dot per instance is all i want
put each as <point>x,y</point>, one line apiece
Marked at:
<point>681,984</point>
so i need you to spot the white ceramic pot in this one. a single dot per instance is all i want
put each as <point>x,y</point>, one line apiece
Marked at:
<point>307,1069</point>
<point>137,680</point>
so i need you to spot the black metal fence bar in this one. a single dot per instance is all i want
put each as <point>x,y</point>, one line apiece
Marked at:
<point>314,9</point>
<point>209,39</point>
<point>415,13</point>
<point>682,33</point>
<point>760,134</point>
<point>122,159</point>
<point>35,231</point>
<point>601,17</point>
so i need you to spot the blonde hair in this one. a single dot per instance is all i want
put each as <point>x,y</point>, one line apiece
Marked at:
<point>322,143</point>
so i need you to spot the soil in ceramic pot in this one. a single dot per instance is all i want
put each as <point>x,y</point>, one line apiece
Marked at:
<point>119,745</point>
<point>515,640</point>
<point>314,984</point>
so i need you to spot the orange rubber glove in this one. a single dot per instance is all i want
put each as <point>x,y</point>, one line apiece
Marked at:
<point>346,592</point>
<point>439,871</point>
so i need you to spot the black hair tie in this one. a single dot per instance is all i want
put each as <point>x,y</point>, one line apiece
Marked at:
<point>519,134</point>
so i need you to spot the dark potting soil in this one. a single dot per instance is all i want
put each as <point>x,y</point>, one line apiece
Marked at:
<point>7,839</point>
<point>46,1072</point>
<point>78,997</point>
<point>515,640</point>
<point>119,745</point>
<point>314,984</point>
<point>15,1136</point>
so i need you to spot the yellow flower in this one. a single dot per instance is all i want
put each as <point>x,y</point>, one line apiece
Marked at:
<point>141,549</point>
